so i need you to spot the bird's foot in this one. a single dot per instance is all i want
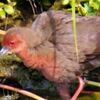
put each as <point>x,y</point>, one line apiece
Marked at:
<point>80,88</point>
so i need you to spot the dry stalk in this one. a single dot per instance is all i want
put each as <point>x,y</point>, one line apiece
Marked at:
<point>21,91</point>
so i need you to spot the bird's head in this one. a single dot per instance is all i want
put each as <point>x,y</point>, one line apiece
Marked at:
<point>12,42</point>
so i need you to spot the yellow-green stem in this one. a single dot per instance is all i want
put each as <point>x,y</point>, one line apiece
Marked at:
<point>97,84</point>
<point>74,29</point>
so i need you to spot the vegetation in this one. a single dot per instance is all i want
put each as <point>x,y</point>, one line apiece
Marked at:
<point>16,8</point>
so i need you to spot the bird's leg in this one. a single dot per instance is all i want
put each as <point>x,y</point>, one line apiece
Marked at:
<point>80,88</point>
<point>63,91</point>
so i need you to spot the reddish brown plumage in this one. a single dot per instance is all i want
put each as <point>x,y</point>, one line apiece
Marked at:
<point>50,48</point>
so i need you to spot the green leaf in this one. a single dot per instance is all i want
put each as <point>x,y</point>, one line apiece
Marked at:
<point>46,2</point>
<point>82,10</point>
<point>9,1</point>
<point>13,3</point>
<point>9,9</point>
<point>65,2</point>
<point>2,14</point>
<point>90,10</point>
<point>95,4</point>
<point>1,4</point>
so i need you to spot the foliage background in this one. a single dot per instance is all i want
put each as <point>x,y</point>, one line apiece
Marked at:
<point>12,10</point>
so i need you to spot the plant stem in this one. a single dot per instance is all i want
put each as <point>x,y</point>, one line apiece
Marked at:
<point>21,91</point>
<point>97,84</point>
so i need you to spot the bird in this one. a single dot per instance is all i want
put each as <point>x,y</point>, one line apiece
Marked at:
<point>48,46</point>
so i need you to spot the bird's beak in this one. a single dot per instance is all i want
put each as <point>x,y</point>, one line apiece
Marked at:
<point>4,51</point>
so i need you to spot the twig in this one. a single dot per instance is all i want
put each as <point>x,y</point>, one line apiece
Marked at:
<point>21,91</point>
<point>32,5</point>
